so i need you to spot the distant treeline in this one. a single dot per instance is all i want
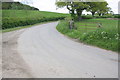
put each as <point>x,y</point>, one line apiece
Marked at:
<point>17,6</point>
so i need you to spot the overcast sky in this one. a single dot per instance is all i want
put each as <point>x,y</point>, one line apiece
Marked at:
<point>49,5</point>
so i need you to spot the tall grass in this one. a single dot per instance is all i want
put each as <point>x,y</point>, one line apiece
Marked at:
<point>106,37</point>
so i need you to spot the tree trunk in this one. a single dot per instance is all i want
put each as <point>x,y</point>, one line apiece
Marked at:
<point>72,11</point>
<point>99,14</point>
<point>73,14</point>
<point>103,14</point>
<point>79,13</point>
<point>79,17</point>
<point>93,13</point>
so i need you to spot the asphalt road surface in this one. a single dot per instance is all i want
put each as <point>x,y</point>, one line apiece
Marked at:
<point>42,52</point>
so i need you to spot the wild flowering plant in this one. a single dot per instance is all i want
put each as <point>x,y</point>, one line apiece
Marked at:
<point>101,35</point>
<point>117,36</point>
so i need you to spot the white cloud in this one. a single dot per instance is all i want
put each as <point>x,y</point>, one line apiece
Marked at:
<point>49,5</point>
<point>114,5</point>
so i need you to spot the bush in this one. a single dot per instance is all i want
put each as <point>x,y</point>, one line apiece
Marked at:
<point>15,22</point>
<point>76,17</point>
<point>17,6</point>
<point>87,17</point>
<point>105,16</point>
<point>16,18</point>
<point>116,16</point>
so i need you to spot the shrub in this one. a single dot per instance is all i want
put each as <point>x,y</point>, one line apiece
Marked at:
<point>105,16</point>
<point>15,22</point>
<point>27,17</point>
<point>116,16</point>
<point>87,17</point>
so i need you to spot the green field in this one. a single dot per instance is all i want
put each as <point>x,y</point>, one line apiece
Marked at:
<point>87,31</point>
<point>17,18</point>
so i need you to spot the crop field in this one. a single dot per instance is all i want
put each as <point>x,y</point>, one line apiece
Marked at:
<point>87,31</point>
<point>17,18</point>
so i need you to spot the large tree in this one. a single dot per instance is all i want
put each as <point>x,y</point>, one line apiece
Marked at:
<point>93,7</point>
<point>76,8</point>
<point>102,8</point>
<point>73,7</point>
<point>79,7</point>
<point>68,5</point>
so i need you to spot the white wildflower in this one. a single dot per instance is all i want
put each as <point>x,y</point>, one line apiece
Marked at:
<point>117,38</point>
<point>102,32</point>
<point>84,33</point>
<point>117,34</point>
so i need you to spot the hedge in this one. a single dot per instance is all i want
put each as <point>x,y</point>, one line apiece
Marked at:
<point>16,22</point>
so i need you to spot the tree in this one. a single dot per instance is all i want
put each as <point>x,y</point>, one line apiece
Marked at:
<point>17,6</point>
<point>73,7</point>
<point>102,8</point>
<point>69,6</point>
<point>109,11</point>
<point>76,8</point>
<point>93,7</point>
<point>79,7</point>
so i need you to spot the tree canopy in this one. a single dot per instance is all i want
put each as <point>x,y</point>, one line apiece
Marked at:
<point>17,6</point>
<point>76,8</point>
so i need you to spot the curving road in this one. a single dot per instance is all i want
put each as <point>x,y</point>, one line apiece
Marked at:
<point>47,53</point>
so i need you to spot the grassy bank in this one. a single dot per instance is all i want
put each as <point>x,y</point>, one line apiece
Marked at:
<point>17,18</point>
<point>87,31</point>
<point>22,27</point>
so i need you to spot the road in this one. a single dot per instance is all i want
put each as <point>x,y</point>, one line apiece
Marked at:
<point>42,52</point>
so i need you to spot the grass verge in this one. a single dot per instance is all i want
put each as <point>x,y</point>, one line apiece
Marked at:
<point>87,31</point>
<point>22,27</point>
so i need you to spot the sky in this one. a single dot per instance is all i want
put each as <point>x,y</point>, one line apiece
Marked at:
<point>49,5</point>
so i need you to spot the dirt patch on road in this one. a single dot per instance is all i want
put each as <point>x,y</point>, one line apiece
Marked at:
<point>13,66</point>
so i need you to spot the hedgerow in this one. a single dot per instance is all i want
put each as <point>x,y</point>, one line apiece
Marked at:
<point>18,18</point>
<point>16,22</point>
